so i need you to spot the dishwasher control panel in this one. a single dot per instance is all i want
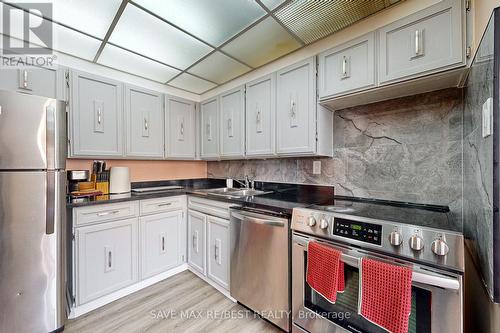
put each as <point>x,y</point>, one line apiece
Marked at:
<point>361,231</point>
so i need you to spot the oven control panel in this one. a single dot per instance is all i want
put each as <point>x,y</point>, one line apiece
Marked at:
<point>361,231</point>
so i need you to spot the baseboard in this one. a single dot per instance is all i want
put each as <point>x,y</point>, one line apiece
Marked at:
<point>219,288</point>
<point>85,308</point>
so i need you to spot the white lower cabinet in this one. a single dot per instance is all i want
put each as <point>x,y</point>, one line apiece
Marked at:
<point>208,247</point>
<point>123,247</point>
<point>160,242</point>
<point>107,258</point>
<point>218,250</point>
<point>196,241</point>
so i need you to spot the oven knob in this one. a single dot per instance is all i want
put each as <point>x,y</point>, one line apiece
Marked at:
<point>439,247</point>
<point>311,221</point>
<point>395,238</point>
<point>416,243</point>
<point>323,223</point>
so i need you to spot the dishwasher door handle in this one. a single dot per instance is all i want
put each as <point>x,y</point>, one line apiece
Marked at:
<point>251,219</point>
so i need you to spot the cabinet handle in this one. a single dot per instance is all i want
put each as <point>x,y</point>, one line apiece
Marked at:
<point>216,254</point>
<point>292,109</point>
<point>164,204</point>
<point>208,130</point>
<point>258,117</point>
<point>182,128</point>
<point>110,257</point>
<point>146,124</point>
<point>99,116</point>
<point>25,79</point>
<point>108,213</point>
<point>345,71</point>
<point>417,42</point>
<point>229,124</point>
<point>163,243</point>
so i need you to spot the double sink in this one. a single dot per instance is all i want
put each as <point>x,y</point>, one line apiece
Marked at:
<point>235,193</point>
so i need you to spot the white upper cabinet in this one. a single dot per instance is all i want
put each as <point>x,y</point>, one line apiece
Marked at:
<point>427,41</point>
<point>210,129</point>
<point>38,81</point>
<point>296,109</point>
<point>180,128</point>
<point>232,123</point>
<point>96,116</point>
<point>261,117</point>
<point>347,68</point>
<point>144,123</point>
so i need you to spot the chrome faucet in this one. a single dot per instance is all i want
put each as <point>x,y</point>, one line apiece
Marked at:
<point>249,183</point>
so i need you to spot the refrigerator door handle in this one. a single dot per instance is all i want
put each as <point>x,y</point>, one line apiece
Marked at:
<point>51,203</point>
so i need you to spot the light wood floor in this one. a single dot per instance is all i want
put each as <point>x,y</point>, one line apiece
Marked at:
<point>184,297</point>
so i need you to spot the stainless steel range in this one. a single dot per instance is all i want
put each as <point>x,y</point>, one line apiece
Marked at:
<point>423,237</point>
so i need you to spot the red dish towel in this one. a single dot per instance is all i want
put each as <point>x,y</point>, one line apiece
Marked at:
<point>325,271</point>
<point>385,294</point>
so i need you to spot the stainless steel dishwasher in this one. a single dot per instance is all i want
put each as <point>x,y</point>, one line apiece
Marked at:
<point>260,263</point>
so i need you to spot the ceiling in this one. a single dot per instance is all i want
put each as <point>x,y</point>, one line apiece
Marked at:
<point>195,45</point>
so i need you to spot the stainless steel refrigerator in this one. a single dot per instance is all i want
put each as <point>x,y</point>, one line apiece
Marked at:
<point>32,213</point>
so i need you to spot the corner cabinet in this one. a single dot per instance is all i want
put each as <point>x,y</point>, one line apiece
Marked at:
<point>210,129</point>
<point>96,116</point>
<point>144,123</point>
<point>180,128</point>
<point>261,117</point>
<point>297,113</point>
<point>232,123</point>
<point>425,42</point>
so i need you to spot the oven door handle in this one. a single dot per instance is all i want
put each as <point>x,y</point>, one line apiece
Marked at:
<point>418,275</point>
<point>252,219</point>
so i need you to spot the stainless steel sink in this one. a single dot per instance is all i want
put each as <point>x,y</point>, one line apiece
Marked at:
<point>233,192</point>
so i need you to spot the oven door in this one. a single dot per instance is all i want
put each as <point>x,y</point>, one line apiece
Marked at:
<point>436,298</point>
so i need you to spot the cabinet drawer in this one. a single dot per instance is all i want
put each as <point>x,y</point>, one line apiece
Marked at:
<point>160,205</point>
<point>102,213</point>
<point>347,68</point>
<point>34,81</point>
<point>428,41</point>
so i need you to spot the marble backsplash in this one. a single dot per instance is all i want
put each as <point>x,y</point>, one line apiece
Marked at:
<point>406,149</point>
<point>478,162</point>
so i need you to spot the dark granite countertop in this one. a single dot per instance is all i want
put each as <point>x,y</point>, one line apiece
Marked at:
<point>283,197</point>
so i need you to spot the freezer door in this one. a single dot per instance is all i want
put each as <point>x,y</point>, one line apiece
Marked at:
<point>32,259</point>
<point>32,132</point>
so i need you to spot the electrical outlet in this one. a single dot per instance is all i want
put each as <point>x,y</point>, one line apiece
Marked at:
<point>316,167</point>
<point>487,118</point>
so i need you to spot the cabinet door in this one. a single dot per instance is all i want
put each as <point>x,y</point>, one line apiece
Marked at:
<point>347,68</point>
<point>107,258</point>
<point>38,81</point>
<point>261,116</point>
<point>144,123</point>
<point>210,129</point>
<point>218,251</point>
<point>180,128</point>
<point>296,109</point>
<point>196,241</point>
<point>97,115</point>
<point>232,123</point>
<point>160,242</point>
<point>427,41</point>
